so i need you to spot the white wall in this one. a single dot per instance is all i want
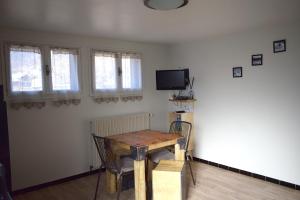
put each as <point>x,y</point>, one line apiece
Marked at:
<point>52,143</point>
<point>251,123</point>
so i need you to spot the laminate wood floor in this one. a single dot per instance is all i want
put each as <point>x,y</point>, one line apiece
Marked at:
<point>212,184</point>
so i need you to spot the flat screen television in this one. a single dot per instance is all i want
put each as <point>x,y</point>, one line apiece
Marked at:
<point>172,79</point>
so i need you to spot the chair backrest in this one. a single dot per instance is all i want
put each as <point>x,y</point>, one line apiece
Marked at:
<point>183,128</point>
<point>106,154</point>
<point>4,194</point>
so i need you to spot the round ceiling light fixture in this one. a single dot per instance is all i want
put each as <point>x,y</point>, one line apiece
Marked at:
<point>165,4</point>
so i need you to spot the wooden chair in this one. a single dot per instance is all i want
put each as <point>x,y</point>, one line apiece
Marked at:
<point>119,167</point>
<point>183,128</point>
<point>4,194</point>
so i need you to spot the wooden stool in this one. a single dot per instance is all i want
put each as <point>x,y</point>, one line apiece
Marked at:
<point>168,180</point>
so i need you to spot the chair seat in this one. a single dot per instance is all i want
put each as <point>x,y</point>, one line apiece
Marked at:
<point>126,164</point>
<point>162,155</point>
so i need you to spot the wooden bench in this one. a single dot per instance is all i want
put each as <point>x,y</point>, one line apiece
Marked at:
<point>168,180</point>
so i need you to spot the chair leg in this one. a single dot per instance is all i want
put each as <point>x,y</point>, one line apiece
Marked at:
<point>120,181</point>
<point>97,186</point>
<point>189,162</point>
<point>191,157</point>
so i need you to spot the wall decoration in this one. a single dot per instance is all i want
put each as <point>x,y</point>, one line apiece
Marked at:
<point>279,46</point>
<point>257,59</point>
<point>237,72</point>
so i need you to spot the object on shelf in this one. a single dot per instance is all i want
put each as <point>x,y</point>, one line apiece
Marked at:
<point>183,100</point>
<point>180,111</point>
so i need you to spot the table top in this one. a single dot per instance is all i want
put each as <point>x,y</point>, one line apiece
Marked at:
<point>145,138</point>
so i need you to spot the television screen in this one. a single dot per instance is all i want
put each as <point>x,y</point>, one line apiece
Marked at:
<point>172,79</point>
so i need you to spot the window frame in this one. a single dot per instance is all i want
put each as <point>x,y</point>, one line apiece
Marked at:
<point>95,91</point>
<point>7,78</point>
<point>127,90</point>
<point>119,78</point>
<point>47,93</point>
<point>50,85</point>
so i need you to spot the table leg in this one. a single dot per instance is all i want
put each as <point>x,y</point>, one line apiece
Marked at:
<point>139,180</point>
<point>111,182</point>
<point>179,153</point>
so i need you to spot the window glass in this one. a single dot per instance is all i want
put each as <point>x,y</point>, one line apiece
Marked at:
<point>131,72</point>
<point>25,69</point>
<point>105,71</point>
<point>64,70</point>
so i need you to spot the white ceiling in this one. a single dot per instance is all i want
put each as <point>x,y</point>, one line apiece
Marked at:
<point>131,20</point>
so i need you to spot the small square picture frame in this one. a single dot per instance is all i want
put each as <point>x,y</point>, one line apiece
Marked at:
<point>237,72</point>
<point>257,59</point>
<point>279,46</point>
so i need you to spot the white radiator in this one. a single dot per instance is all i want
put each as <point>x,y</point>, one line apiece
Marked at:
<point>112,125</point>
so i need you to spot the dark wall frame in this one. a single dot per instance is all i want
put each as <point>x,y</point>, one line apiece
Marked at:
<point>257,59</point>
<point>237,72</point>
<point>279,46</point>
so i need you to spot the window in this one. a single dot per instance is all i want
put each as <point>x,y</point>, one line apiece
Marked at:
<point>105,71</point>
<point>116,74</point>
<point>131,72</point>
<point>31,78</point>
<point>64,70</point>
<point>25,69</point>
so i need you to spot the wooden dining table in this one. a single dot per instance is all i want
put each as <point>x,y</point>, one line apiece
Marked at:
<point>138,143</point>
